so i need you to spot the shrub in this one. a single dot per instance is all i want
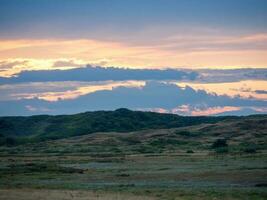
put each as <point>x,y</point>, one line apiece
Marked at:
<point>190,151</point>
<point>187,133</point>
<point>10,141</point>
<point>250,150</point>
<point>130,140</point>
<point>221,150</point>
<point>219,143</point>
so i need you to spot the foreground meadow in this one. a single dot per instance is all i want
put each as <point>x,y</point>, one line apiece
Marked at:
<point>142,176</point>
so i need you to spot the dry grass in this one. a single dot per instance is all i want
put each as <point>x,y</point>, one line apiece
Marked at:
<point>41,194</point>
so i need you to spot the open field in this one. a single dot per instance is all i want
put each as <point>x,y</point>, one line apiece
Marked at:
<point>222,160</point>
<point>141,176</point>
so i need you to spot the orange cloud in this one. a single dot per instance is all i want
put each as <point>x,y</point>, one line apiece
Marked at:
<point>75,93</point>
<point>187,110</point>
<point>192,51</point>
<point>193,111</point>
<point>11,67</point>
<point>214,110</point>
<point>244,89</point>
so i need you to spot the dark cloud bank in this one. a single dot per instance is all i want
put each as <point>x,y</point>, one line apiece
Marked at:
<point>152,95</point>
<point>100,74</point>
<point>90,73</point>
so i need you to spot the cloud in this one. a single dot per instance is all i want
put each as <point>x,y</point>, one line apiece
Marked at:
<point>203,110</point>
<point>32,89</point>
<point>217,43</point>
<point>261,91</point>
<point>91,73</point>
<point>79,91</point>
<point>231,75</point>
<point>54,91</point>
<point>74,63</point>
<point>24,70</point>
<point>13,67</point>
<point>9,64</point>
<point>190,50</point>
<point>86,50</point>
<point>260,109</point>
<point>154,95</point>
<point>244,89</point>
<point>38,109</point>
<point>66,63</point>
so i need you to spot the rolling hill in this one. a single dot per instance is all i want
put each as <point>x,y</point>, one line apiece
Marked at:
<point>134,132</point>
<point>44,127</point>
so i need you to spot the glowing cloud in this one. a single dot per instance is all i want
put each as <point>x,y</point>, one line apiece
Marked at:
<point>195,111</point>
<point>77,92</point>
<point>244,89</point>
<point>214,110</point>
<point>187,51</point>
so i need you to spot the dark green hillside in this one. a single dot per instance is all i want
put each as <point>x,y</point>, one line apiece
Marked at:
<point>44,127</point>
<point>226,136</point>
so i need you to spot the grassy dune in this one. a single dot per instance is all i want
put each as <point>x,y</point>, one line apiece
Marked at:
<point>221,160</point>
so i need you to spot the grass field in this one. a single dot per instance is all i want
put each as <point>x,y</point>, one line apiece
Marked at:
<point>226,160</point>
<point>173,176</point>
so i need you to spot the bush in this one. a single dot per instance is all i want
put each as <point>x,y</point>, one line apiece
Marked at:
<point>186,133</point>
<point>190,151</point>
<point>219,143</point>
<point>130,140</point>
<point>250,150</point>
<point>221,150</point>
<point>10,141</point>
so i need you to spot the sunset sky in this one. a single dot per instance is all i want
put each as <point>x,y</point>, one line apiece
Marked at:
<point>68,56</point>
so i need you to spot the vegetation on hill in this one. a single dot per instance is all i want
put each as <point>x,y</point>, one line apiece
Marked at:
<point>153,134</point>
<point>44,127</point>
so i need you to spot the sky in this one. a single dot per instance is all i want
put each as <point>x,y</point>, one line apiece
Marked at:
<point>189,57</point>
